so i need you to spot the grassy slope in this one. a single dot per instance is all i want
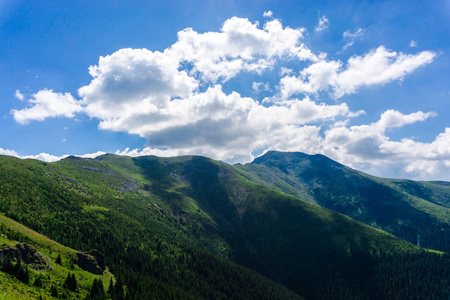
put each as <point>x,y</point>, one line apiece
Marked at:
<point>416,211</point>
<point>55,275</point>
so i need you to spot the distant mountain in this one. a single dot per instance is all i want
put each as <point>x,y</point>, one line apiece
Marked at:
<point>191,227</point>
<point>416,211</point>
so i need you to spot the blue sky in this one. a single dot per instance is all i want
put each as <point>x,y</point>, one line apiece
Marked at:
<point>364,83</point>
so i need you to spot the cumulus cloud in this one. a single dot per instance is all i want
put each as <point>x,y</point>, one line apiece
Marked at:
<point>220,125</point>
<point>413,43</point>
<point>323,24</point>
<point>177,100</point>
<point>368,147</point>
<point>47,104</point>
<point>131,79</point>
<point>379,66</point>
<point>8,152</point>
<point>239,46</point>
<point>42,156</point>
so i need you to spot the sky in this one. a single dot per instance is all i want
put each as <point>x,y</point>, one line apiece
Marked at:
<point>366,83</point>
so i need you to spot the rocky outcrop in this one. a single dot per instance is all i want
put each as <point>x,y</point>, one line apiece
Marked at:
<point>92,261</point>
<point>25,253</point>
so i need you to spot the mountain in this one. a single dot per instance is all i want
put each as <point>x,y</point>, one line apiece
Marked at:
<point>418,212</point>
<point>191,227</point>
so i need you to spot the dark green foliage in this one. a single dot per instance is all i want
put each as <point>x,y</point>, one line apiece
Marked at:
<point>97,291</point>
<point>18,270</point>
<point>23,274</point>
<point>71,282</point>
<point>58,259</point>
<point>38,281</point>
<point>54,291</point>
<point>118,292</point>
<point>8,266</point>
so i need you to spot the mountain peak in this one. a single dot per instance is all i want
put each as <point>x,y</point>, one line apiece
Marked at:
<point>276,157</point>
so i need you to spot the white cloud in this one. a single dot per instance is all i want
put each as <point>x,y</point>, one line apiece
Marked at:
<point>47,157</point>
<point>175,100</point>
<point>353,35</point>
<point>367,147</point>
<point>392,118</point>
<point>379,66</point>
<point>413,43</point>
<point>92,155</point>
<point>8,152</point>
<point>319,76</point>
<point>240,46</point>
<point>46,104</point>
<point>149,151</point>
<point>42,156</point>
<point>268,14</point>
<point>323,24</point>
<point>220,125</point>
<point>285,71</point>
<point>349,44</point>
<point>18,95</point>
<point>134,79</point>
<point>260,86</point>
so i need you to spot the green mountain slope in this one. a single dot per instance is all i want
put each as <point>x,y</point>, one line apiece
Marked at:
<point>89,205</point>
<point>176,227</point>
<point>47,265</point>
<point>418,212</point>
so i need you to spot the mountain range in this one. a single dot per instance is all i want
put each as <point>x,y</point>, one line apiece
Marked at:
<point>286,226</point>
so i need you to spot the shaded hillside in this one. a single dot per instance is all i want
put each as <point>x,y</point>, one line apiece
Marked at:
<point>176,227</point>
<point>418,212</point>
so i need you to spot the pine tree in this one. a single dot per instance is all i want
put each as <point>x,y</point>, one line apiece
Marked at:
<point>38,281</point>
<point>97,291</point>
<point>71,282</point>
<point>23,274</point>
<point>54,291</point>
<point>16,269</point>
<point>118,293</point>
<point>8,266</point>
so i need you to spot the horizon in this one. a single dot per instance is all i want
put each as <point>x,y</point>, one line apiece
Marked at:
<point>365,84</point>
<point>96,155</point>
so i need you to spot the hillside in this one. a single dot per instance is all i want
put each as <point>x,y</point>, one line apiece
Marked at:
<point>418,212</point>
<point>176,227</point>
<point>47,265</point>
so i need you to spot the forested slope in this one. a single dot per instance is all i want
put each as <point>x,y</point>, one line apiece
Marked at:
<point>176,227</point>
<point>416,211</point>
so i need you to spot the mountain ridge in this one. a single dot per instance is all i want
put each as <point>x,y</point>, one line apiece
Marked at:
<point>149,215</point>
